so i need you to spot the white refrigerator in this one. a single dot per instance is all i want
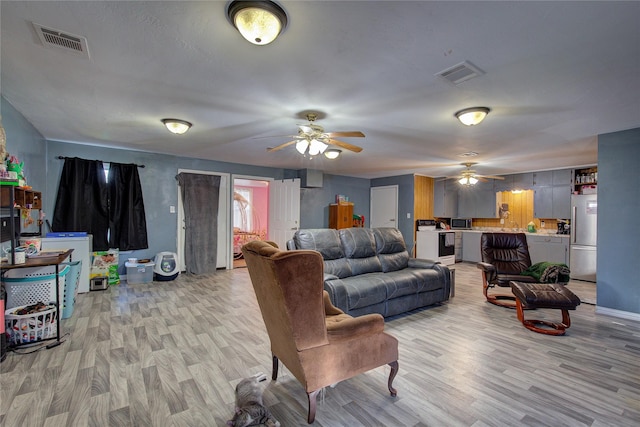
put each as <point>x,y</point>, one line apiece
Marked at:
<point>582,255</point>
<point>82,251</point>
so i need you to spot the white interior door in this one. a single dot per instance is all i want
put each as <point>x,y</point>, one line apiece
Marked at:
<point>384,206</point>
<point>284,210</point>
<point>224,260</point>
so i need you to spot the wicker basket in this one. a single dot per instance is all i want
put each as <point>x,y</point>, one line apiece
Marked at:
<point>30,328</point>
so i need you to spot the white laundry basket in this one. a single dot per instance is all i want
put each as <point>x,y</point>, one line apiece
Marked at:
<point>166,266</point>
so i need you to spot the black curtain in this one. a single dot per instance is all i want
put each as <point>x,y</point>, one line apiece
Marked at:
<point>200,197</point>
<point>127,220</point>
<point>82,201</point>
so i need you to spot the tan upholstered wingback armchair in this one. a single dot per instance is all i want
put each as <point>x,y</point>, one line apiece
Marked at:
<point>316,341</point>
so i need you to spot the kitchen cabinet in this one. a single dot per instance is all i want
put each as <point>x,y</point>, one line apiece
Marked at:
<point>445,199</point>
<point>552,202</point>
<point>548,248</point>
<point>471,246</point>
<point>542,179</point>
<point>477,202</point>
<point>522,181</point>
<point>458,246</point>
<point>340,215</point>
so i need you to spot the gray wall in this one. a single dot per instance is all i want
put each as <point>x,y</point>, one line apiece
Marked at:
<point>618,221</point>
<point>26,143</point>
<point>158,182</point>
<point>314,202</point>
<point>406,184</point>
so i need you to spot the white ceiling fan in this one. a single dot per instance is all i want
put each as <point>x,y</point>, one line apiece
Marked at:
<point>470,177</point>
<point>313,140</point>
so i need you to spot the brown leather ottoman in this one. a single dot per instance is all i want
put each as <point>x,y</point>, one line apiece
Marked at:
<point>544,295</point>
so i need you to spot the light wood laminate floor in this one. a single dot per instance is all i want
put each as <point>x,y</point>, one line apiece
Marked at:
<point>171,353</point>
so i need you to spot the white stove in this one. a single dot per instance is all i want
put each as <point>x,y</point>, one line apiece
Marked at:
<point>437,245</point>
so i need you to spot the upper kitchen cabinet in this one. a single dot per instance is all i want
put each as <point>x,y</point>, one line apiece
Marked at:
<point>542,179</point>
<point>562,177</point>
<point>445,198</point>
<point>552,202</point>
<point>477,201</point>
<point>519,181</point>
<point>522,181</point>
<point>552,196</point>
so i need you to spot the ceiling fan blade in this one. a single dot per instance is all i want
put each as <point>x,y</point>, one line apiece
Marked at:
<point>281,146</point>
<point>350,134</point>
<point>344,145</point>
<point>276,136</point>
<point>490,176</point>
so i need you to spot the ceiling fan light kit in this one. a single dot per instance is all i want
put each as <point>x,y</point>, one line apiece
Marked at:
<point>312,140</point>
<point>176,126</point>
<point>259,22</point>
<point>468,180</point>
<point>472,116</point>
<point>332,153</point>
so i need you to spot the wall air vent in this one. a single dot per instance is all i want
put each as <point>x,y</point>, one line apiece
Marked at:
<point>61,40</point>
<point>460,73</point>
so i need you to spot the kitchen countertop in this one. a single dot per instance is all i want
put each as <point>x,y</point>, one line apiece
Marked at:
<point>548,233</point>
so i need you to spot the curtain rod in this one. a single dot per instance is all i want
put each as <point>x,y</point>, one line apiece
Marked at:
<point>64,158</point>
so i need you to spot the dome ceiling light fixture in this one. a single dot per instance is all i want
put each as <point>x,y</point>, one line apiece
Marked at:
<point>260,22</point>
<point>472,116</point>
<point>176,126</point>
<point>332,153</point>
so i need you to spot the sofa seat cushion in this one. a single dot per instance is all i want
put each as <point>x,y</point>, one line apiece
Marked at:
<point>400,283</point>
<point>430,280</point>
<point>360,291</point>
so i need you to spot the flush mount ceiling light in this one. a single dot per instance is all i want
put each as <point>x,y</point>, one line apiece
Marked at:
<point>332,153</point>
<point>260,22</point>
<point>472,116</point>
<point>176,126</point>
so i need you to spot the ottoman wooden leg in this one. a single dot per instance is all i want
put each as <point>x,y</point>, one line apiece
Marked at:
<point>556,328</point>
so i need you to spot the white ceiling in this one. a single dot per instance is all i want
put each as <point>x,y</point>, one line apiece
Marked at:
<point>556,75</point>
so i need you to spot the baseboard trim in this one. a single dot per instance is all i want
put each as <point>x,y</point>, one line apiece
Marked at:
<point>618,313</point>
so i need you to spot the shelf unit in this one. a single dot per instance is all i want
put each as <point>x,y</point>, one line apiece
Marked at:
<point>12,198</point>
<point>585,177</point>
<point>54,260</point>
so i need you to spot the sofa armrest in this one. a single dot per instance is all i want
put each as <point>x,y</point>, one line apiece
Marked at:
<point>337,293</point>
<point>422,263</point>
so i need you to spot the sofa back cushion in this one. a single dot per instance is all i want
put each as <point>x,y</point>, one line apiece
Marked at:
<point>327,242</point>
<point>359,246</point>
<point>391,249</point>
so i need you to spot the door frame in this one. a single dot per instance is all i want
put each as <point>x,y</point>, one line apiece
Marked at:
<point>231,187</point>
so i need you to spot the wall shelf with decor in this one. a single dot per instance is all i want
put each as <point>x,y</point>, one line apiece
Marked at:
<point>585,180</point>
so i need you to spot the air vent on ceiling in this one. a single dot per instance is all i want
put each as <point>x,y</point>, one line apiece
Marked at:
<point>460,73</point>
<point>61,40</point>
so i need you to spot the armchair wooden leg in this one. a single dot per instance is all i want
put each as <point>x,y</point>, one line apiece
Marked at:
<point>312,406</point>
<point>274,369</point>
<point>392,375</point>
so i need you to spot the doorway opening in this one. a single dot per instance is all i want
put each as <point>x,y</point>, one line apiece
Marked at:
<point>250,214</point>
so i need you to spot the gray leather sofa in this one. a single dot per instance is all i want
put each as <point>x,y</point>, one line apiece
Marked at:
<point>370,270</point>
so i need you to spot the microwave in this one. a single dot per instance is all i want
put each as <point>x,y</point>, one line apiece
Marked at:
<point>461,223</point>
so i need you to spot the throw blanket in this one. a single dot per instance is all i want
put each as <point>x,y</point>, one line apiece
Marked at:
<point>548,272</point>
